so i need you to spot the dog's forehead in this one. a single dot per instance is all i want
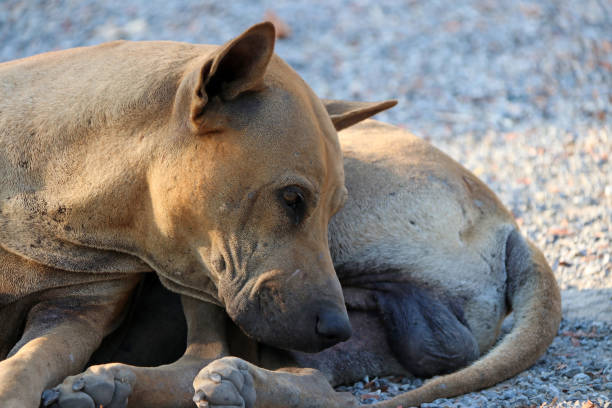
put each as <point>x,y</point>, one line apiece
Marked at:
<point>292,127</point>
<point>275,114</point>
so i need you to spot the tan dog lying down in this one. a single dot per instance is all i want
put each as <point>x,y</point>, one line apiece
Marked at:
<point>219,169</point>
<point>216,167</point>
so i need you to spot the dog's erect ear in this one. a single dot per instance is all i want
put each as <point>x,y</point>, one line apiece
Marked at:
<point>344,113</point>
<point>236,67</point>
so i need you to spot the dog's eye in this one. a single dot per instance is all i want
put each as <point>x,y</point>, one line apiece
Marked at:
<point>292,198</point>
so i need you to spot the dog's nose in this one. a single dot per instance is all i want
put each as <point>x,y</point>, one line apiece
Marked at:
<point>333,326</point>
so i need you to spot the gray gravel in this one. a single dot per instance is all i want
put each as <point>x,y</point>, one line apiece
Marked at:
<point>576,368</point>
<point>519,92</point>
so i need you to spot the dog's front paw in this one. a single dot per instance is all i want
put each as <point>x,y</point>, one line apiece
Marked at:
<point>107,385</point>
<point>225,383</point>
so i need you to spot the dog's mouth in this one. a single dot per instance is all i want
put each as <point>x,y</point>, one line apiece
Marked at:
<point>272,314</point>
<point>207,294</point>
<point>299,333</point>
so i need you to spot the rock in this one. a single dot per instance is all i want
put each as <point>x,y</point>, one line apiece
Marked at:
<point>581,378</point>
<point>571,372</point>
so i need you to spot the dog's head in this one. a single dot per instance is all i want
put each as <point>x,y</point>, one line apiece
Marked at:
<point>242,195</point>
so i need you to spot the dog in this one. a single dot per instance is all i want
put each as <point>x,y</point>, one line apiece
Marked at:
<point>217,168</point>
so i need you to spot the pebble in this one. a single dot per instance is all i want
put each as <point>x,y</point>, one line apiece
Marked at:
<point>581,378</point>
<point>571,372</point>
<point>520,93</point>
<point>521,400</point>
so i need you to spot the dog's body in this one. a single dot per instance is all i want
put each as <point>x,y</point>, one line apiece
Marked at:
<point>219,169</point>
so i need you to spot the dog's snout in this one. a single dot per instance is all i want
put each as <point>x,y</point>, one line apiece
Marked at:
<point>333,326</point>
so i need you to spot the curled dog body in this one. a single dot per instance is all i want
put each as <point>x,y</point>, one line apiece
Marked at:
<point>419,221</point>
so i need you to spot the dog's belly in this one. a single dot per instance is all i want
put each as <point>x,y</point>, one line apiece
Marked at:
<point>24,283</point>
<point>21,277</point>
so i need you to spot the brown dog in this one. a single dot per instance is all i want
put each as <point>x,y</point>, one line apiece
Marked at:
<point>215,167</point>
<point>430,264</point>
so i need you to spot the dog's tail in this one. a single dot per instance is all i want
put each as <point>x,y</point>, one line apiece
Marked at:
<point>533,295</point>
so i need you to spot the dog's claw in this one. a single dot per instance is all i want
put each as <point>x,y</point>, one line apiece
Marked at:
<point>50,397</point>
<point>200,399</point>
<point>224,383</point>
<point>79,384</point>
<point>107,385</point>
<point>215,377</point>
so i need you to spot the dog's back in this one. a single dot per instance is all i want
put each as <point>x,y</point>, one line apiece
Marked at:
<point>416,213</point>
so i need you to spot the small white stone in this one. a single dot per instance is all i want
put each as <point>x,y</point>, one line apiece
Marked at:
<point>136,27</point>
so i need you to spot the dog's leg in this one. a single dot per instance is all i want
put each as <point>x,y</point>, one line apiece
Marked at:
<point>301,379</point>
<point>533,295</point>
<point>233,382</point>
<point>111,385</point>
<point>427,333</point>
<point>59,337</point>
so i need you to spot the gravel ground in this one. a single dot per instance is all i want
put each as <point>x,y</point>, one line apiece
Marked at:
<point>519,92</point>
<point>577,368</point>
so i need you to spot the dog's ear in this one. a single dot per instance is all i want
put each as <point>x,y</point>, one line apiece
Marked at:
<point>236,67</point>
<point>344,113</point>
